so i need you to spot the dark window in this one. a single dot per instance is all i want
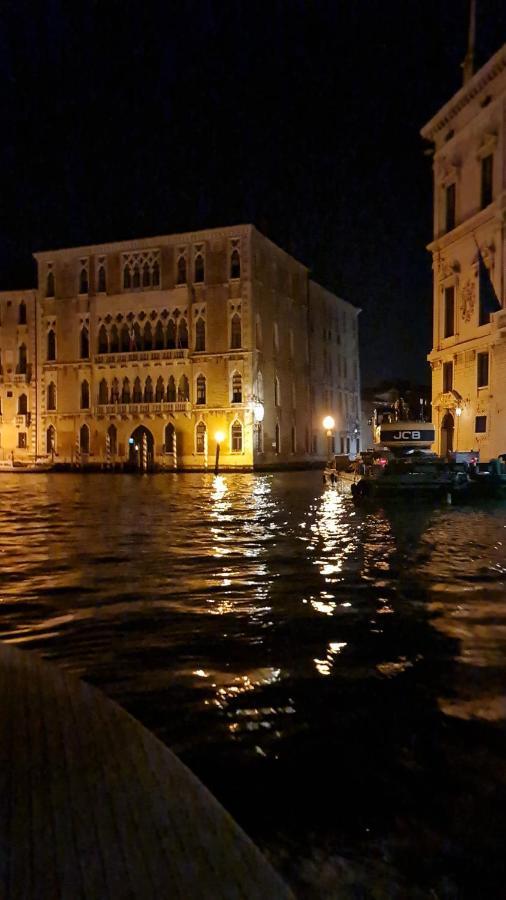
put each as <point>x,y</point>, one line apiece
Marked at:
<point>236,388</point>
<point>137,391</point>
<point>85,395</point>
<point>183,390</point>
<point>84,342</point>
<point>101,283</point>
<point>148,390</point>
<point>447,376</point>
<point>235,332</point>
<point>482,369</point>
<point>50,285</point>
<point>114,340</point>
<point>171,335</point>
<point>159,340</point>
<point>146,275</point>
<point>51,396</point>
<point>487,170</point>
<point>125,338</point>
<point>148,337</point>
<point>199,268</point>
<point>136,281</point>
<point>182,334</point>
<point>83,282</point>
<point>155,278</point>
<point>84,439</point>
<point>449,311</point>
<point>480,424</point>
<point>50,440</point>
<point>127,281</point>
<point>235,264</point>
<point>200,334</point>
<point>115,391</point>
<point>22,405</point>
<point>22,444</point>
<point>170,435</point>
<point>22,313</point>
<point>125,392</point>
<point>102,340</point>
<point>103,392</point>
<point>171,390</point>
<point>450,207</point>
<point>112,440</point>
<point>201,390</point>
<point>159,390</point>
<point>181,270</point>
<point>22,364</point>
<point>51,344</point>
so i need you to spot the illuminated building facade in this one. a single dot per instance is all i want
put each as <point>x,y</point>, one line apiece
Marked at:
<point>468,357</point>
<point>141,352</point>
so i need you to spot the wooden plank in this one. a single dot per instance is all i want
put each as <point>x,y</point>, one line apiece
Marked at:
<point>93,806</point>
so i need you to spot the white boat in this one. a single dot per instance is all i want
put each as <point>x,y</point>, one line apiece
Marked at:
<point>17,467</point>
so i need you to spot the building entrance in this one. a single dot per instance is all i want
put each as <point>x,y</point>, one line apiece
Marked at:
<point>141,454</point>
<point>447,427</point>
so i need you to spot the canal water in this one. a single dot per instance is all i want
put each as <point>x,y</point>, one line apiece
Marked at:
<point>335,675</point>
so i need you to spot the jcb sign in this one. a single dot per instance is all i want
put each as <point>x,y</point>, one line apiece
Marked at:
<point>399,435</point>
<point>406,436</point>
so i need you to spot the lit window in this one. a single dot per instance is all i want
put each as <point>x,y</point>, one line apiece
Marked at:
<point>200,438</point>
<point>236,388</point>
<point>201,390</point>
<point>236,434</point>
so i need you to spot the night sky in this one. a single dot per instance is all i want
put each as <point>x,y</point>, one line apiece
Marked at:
<point>129,119</point>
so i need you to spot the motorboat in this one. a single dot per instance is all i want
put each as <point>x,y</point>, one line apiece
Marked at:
<point>17,467</point>
<point>413,475</point>
<point>488,479</point>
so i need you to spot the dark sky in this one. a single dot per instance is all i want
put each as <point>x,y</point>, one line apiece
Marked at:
<point>125,119</point>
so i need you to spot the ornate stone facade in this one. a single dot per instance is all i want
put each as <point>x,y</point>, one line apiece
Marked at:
<point>468,357</point>
<point>150,348</point>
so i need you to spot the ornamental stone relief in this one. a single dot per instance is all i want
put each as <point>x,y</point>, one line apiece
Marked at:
<point>468,298</point>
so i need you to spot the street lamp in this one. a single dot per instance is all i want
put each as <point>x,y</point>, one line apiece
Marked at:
<point>328,423</point>
<point>219,437</point>
<point>458,413</point>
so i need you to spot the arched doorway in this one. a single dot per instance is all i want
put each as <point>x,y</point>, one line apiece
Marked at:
<point>447,427</point>
<point>141,450</point>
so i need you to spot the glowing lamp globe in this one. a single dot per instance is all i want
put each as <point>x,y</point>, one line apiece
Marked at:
<point>328,423</point>
<point>219,437</point>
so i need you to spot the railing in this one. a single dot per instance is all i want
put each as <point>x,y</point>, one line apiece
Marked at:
<point>135,409</point>
<point>141,356</point>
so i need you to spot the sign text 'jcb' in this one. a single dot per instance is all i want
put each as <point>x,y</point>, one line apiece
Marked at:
<point>406,436</point>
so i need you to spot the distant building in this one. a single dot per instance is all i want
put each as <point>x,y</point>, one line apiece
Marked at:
<point>147,349</point>
<point>468,357</point>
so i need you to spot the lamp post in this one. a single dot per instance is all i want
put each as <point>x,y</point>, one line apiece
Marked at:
<point>458,413</point>
<point>219,437</point>
<point>328,423</point>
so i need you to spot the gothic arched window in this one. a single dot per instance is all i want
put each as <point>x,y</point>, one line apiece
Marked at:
<point>171,390</point>
<point>148,390</point>
<point>102,340</point>
<point>101,280</point>
<point>199,268</point>
<point>170,438</point>
<point>171,335</point>
<point>137,391</point>
<point>235,264</point>
<point>182,334</point>
<point>146,276</point>
<point>159,391</point>
<point>236,435</point>
<point>235,332</point>
<point>155,276</point>
<point>201,390</point>
<point>125,391</point>
<point>84,439</point>
<point>136,280</point>
<point>183,390</point>
<point>181,270</point>
<point>84,343</point>
<point>124,338</point>
<point>200,334</point>
<point>103,392</point>
<point>50,284</point>
<point>112,436</point>
<point>127,280</point>
<point>159,342</point>
<point>51,344</point>
<point>50,439</point>
<point>22,313</point>
<point>85,395</point>
<point>51,396</point>
<point>236,387</point>
<point>83,280</point>
<point>22,362</point>
<point>22,405</point>
<point>200,438</point>
<point>115,391</point>
<point>114,340</point>
<point>147,340</point>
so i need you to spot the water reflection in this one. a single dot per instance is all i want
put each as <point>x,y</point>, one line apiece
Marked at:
<point>264,627</point>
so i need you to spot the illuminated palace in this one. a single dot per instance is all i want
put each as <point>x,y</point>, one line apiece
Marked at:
<point>468,357</point>
<point>156,346</point>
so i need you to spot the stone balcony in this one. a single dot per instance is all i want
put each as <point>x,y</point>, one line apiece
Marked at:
<point>141,409</point>
<point>140,356</point>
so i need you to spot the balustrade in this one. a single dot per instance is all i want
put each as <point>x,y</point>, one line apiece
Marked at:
<point>135,409</point>
<point>141,356</point>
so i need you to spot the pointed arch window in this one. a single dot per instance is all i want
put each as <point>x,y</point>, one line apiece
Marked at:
<point>51,345</point>
<point>115,395</point>
<point>125,391</point>
<point>170,438</point>
<point>160,390</point>
<point>127,278</point>
<point>22,405</point>
<point>171,335</point>
<point>114,340</point>
<point>136,280</point>
<point>148,390</point>
<point>236,435</point>
<point>83,280</point>
<point>84,343</point>
<point>22,361</point>
<point>201,390</point>
<point>85,395</point>
<point>183,390</point>
<point>159,341</point>
<point>237,387</point>
<point>125,338</point>
<point>200,334</point>
<point>181,269</point>
<point>84,439</point>
<point>171,390</point>
<point>112,436</point>
<point>50,439</point>
<point>103,392</point>
<point>235,263</point>
<point>146,275</point>
<point>51,396</point>
<point>199,268</point>
<point>101,280</point>
<point>135,337</point>
<point>200,438</point>
<point>137,391</point>
<point>182,334</point>
<point>155,277</point>
<point>50,284</point>
<point>147,337</point>
<point>235,332</point>
<point>102,340</point>
<point>22,313</point>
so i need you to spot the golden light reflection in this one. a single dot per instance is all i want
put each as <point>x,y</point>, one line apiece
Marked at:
<point>324,666</point>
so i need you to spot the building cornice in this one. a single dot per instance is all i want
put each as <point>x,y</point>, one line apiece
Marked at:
<point>493,214</point>
<point>495,65</point>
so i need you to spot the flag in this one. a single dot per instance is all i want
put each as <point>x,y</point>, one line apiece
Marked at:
<point>489,301</point>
